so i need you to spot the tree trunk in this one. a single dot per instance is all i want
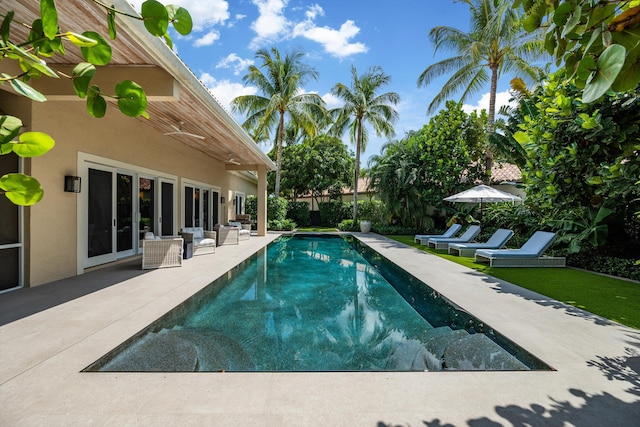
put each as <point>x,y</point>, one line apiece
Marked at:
<point>356,174</point>
<point>279,155</point>
<point>488,165</point>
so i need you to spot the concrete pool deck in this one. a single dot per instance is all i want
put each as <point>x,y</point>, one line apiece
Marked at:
<point>596,381</point>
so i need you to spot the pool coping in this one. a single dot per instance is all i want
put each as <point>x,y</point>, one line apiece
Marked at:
<point>596,381</point>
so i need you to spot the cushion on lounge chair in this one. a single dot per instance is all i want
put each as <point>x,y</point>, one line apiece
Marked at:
<point>449,233</point>
<point>496,241</point>
<point>530,253</point>
<point>443,242</point>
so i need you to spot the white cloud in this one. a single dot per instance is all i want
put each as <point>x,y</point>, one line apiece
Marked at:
<point>271,22</point>
<point>332,101</point>
<point>203,13</point>
<point>502,98</point>
<point>334,42</point>
<point>225,90</point>
<point>208,39</point>
<point>238,64</point>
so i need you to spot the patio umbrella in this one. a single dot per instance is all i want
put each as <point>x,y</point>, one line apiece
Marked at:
<point>482,194</point>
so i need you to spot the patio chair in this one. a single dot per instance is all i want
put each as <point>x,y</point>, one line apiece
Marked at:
<point>449,233</point>
<point>529,255</point>
<point>443,242</point>
<point>496,241</point>
<point>161,252</point>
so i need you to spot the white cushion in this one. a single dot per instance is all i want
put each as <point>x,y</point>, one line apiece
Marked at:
<point>206,242</point>
<point>235,224</point>
<point>197,232</point>
<point>149,236</point>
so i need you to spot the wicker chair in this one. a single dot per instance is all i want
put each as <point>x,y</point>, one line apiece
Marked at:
<point>227,235</point>
<point>203,241</point>
<point>159,253</point>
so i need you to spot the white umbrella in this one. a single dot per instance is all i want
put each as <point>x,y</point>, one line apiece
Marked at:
<point>482,194</point>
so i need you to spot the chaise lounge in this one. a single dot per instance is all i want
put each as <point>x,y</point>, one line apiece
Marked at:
<point>529,255</point>
<point>443,242</point>
<point>496,241</point>
<point>447,234</point>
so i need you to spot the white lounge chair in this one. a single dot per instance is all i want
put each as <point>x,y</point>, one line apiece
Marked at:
<point>449,233</point>
<point>443,242</point>
<point>529,255</point>
<point>496,241</point>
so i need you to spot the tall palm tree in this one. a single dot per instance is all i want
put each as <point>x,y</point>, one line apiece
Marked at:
<point>363,105</point>
<point>496,44</point>
<point>281,86</point>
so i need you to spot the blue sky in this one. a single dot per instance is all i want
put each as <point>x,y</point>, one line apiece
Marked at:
<point>334,35</point>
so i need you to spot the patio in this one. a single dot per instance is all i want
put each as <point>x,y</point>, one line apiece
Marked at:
<point>596,382</point>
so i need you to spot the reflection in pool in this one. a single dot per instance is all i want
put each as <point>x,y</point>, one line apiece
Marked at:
<point>317,303</point>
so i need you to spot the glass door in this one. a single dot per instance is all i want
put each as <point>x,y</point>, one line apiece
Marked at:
<point>101,221</point>
<point>124,214</point>
<point>147,203</point>
<point>10,232</point>
<point>167,217</point>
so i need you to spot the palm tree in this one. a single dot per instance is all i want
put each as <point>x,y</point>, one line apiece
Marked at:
<point>363,105</point>
<point>496,44</point>
<point>281,87</point>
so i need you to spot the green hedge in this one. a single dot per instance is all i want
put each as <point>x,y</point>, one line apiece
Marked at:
<point>299,213</point>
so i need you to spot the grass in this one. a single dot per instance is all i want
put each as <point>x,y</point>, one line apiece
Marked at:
<point>612,298</point>
<point>316,229</point>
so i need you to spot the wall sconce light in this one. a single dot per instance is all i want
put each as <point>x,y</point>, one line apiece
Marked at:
<point>72,184</point>
<point>234,202</point>
<point>221,199</point>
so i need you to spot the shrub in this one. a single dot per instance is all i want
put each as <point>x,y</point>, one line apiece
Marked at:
<point>281,225</point>
<point>621,267</point>
<point>276,208</point>
<point>332,213</point>
<point>299,213</point>
<point>251,207</point>
<point>349,225</point>
<point>372,210</point>
<point>394,229</point>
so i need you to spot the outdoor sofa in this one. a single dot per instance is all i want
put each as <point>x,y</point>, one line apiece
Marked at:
<point>496,241</point>
<point>227,235</point>
<point>529,255</point>
<point>443,242</point>
<point>244,231</point>
<point>203,241</point>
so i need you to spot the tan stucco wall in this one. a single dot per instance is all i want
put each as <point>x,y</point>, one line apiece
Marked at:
<point>53,222</point>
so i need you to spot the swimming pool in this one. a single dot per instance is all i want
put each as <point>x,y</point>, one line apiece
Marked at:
<point>317,303</point>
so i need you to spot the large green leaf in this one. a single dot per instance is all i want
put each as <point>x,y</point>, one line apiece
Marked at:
<point>96,104</point>
<point>25,90</point>
<point>5,28</point>
<point>132,100</point>
<point>49,16</point>
<point>608,67</point>
<point>573,20</point>
<point>33,144</point>
<point>29,60</point>
<point>180,19</point>
<point>155,17</point>
<point>81,77</point>
<point>9,128</point>
<point>111,23</point>
<point>21,189</point>
<point>100,54</point>
<point>80,40</point>
<point>562,13</point>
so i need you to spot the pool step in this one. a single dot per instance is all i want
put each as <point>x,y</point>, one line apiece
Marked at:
<point>182,350</point>
<point>479,352</point>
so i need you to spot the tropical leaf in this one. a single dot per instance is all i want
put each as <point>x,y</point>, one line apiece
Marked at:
<point>33,144</point>
<point>49,16</point>
<point>180,19</point>
<point>132,100</point>
<point>608,67</point>
<point>21,189</point>
<point>24,89</point>
<point>9,128</point>
<point>100,53</point>
<point>80,40</point>
<point>81,77</point>
<point>96,104</point>
<point>111,23</point>
<point>155,17</point>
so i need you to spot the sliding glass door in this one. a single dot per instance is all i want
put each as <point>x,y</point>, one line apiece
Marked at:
<point>200,206</point>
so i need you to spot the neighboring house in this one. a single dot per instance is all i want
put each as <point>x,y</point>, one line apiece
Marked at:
<point>135,175</point>
<point>346,196</point>
<point>508,178</point>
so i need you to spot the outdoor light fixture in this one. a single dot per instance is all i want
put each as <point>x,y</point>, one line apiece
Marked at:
<point>221,199</point>
<point>72,184</point>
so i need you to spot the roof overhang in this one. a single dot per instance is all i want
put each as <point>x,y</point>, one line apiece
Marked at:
<point>174,93</point>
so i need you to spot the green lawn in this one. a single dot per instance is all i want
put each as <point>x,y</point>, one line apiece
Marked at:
<point>608,297</point>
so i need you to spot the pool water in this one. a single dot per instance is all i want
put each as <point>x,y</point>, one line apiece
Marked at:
<point>317,303</point>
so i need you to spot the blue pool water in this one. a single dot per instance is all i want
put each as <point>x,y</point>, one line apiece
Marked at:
<point>317,303</point>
